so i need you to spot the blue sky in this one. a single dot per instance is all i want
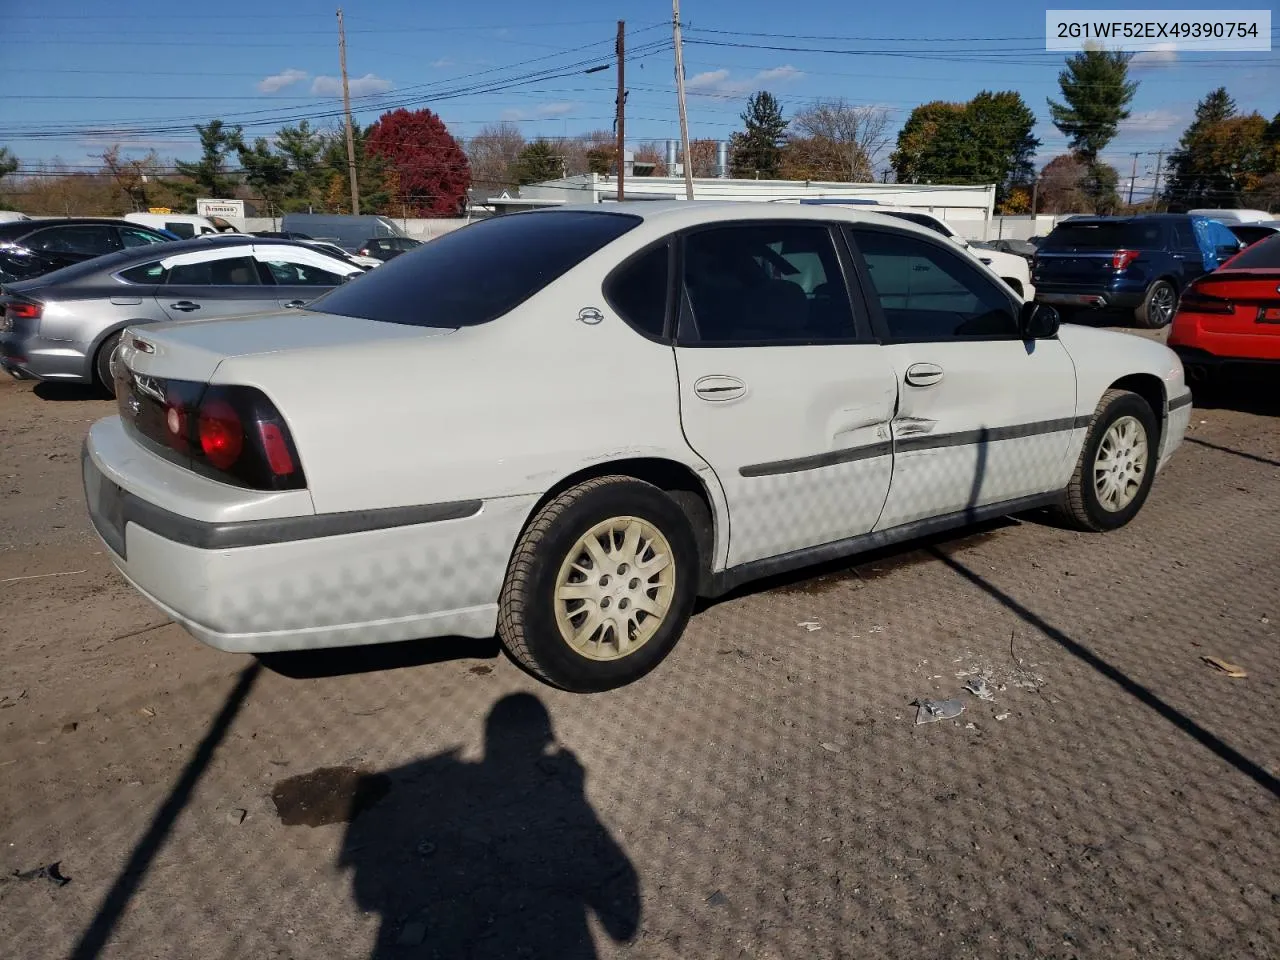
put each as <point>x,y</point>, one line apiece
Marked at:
<point>154,68</point>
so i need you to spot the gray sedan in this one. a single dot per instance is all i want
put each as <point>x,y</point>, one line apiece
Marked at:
<point>66,324</point>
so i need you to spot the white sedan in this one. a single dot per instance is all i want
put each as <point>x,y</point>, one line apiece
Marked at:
<point>563,426</point>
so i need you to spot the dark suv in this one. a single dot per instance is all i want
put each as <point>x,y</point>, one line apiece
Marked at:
<point>32,248</point>
<point>388,248</point>
<point>1138,263</point>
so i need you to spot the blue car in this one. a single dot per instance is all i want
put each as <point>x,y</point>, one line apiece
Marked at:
<point>1140,264</point>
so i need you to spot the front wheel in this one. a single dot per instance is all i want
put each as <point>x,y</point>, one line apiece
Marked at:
<point>1117,464</point>
<point>1158,306</point>
<point>600,586</point>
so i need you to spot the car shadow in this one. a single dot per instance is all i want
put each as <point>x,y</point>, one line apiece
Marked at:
<point>1246,395</point>
<point>376,658</point>
<point>61,392</point>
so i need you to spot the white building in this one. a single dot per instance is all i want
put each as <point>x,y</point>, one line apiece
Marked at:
<point>968,209</point>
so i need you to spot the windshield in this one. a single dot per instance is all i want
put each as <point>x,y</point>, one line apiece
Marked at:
<point>1262,255</point>
<point>1105,235</point>
<point>477,273</point>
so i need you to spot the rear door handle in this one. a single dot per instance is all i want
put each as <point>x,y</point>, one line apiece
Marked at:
<point>294,304</point>
<point>718,389</point>
<point>924,374</point>
<point>186,306</point>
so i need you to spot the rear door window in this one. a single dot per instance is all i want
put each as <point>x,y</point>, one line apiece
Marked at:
<point>288,274</point>
<point>227,272</point>
<point>476,274</point>
<point>133,237</point>
<point>90,239</point>
<point>147,273</point>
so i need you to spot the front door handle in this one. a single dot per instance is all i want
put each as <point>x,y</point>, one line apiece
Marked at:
<point>924,374</point>
<point>294,304</point>
<point>186,306</point>
<point>718,389</point>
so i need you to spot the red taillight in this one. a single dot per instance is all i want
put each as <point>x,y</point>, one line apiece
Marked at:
<point>277,448</point>
<point>1196,301</point>
<point>24,311</point>
<point>221,433</point>
<point>364,252</point>
<point>1121,259</point>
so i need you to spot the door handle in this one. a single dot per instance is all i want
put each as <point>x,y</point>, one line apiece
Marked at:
<point>294,304</point>
<point>924,374</point>
<point>186,306</point>
<point>718,389</point>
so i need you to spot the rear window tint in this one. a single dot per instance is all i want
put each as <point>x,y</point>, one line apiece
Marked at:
<point>1265,253</point>
<point>478,273</point>
<point>1107,235</point>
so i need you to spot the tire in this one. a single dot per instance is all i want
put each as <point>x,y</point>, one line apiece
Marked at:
<point>102,377</point>
<point>534,624</point>
<point>1158,306</point>
<point>1085,505</point>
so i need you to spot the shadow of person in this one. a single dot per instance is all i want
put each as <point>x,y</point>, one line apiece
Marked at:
<point>499,858</point>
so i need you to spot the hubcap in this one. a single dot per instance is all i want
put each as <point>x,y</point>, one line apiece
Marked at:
<point>1120,464</point>
<point>614,589</point>
<point>1162,303</point>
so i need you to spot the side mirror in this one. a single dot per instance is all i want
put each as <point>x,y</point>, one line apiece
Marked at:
<point>1038,321</point>
<point>1226,252</point>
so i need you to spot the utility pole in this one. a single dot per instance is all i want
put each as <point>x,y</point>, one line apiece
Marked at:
<point>346,108</point>
<point>1132,177</point>
<point>684,116</point>
<point>620,118</point>
<point>1035,189</point>
<point>1155,190</point>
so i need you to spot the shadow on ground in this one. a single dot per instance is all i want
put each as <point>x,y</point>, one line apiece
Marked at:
<point>376,658</point>
<point>60,392</point>
<point>501,857</point>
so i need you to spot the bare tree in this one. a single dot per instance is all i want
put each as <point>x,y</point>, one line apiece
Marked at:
<point>131,175</point>
<point>852,137</point>
<point>492,154</point>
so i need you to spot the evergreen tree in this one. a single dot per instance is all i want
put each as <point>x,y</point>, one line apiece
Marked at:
<point>1097,92</point>
<point>756,152</point>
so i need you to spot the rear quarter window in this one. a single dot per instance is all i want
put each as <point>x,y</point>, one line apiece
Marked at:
<point>478,273</point>
<point>1264,254</point>
<point>1106,235</point>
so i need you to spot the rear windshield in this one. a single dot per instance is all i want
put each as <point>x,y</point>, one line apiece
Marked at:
<point>1251,234</point>
<point>1106,235</point>
<point>472,275</point>
<point>1265,254</point>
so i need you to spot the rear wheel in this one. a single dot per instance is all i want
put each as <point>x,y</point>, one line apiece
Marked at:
<point>104,365</point>
<point>1117,464</point>
<point>600,586</point>
<point>1158,306</point>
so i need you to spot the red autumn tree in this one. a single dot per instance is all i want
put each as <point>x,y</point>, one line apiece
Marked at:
<point>433,170</point>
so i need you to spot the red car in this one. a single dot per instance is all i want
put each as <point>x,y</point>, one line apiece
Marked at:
<point>1230,318</point>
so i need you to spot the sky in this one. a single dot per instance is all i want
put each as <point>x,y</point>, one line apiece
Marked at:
<point>143,72</point>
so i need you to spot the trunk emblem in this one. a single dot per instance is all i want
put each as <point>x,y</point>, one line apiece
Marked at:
<point>590,315</point>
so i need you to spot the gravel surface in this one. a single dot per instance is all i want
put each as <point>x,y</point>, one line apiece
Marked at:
<point>766,793</point>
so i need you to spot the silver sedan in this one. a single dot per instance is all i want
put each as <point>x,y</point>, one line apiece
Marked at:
<point>65,325</point>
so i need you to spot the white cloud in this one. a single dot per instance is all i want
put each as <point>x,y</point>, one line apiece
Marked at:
<point>558,109</point>
<point>1151,121</point>
<point>442,63</point>
<point>722,83</point>
<point>778,75</point>
<point>360,86</point>
<point>278,81</point>
<point>1164,55</point>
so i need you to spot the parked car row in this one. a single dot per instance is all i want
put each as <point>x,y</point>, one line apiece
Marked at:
<point>65,326</point>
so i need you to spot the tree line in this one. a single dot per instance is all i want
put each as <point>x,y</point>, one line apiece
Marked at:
<point>407,162</point>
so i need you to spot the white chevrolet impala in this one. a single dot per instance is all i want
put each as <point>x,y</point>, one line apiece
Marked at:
<point>564,426</point>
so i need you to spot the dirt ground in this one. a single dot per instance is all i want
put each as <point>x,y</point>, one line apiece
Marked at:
<point>766,793</point>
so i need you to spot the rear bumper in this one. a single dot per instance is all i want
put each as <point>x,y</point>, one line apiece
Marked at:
<point>35,358</point>
<point>1199,363</point>
<point>260,590</point>
<point>1089,299</point>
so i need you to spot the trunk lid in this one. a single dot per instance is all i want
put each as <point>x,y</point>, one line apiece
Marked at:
<point>1253,295</point>
<point>1085,252</point>
<point>194,350</point>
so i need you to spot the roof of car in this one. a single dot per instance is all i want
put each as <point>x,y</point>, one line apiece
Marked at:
<point>678,214</point>
<point>23,227</point>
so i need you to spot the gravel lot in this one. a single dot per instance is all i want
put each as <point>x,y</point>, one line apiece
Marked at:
<point>764,794</point>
